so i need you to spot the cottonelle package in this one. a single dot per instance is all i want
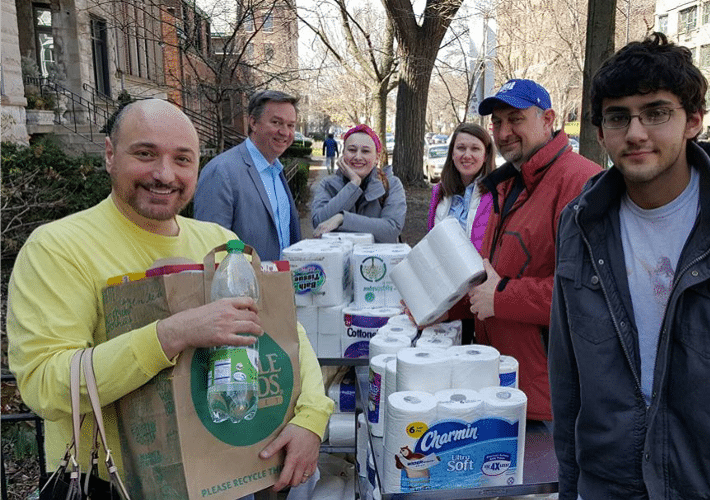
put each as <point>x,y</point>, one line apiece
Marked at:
<point>170,446</point>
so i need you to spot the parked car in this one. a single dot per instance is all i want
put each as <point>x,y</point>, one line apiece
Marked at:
<point>301,140</point>
<point>434,158</point>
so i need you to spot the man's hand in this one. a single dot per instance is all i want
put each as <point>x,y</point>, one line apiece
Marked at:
<point>482,296</point>
<point>328,225</point>
<point>348,172</point>
<point>302,447</point>
<point>218,323</point>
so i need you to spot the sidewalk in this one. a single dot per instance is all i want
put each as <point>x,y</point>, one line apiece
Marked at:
<point>317,172</point>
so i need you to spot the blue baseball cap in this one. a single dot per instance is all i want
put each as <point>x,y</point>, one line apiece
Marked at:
<point>518,93</point>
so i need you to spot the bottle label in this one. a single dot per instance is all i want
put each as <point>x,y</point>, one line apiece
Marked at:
<point>233,364</point>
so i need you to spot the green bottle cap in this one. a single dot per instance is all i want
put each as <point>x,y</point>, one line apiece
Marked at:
<point>234,246</point>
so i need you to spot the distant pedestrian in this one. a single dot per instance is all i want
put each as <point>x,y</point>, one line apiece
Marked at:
<point>330,150</point>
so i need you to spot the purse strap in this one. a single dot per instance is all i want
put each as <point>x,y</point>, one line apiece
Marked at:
<point>89,375</point>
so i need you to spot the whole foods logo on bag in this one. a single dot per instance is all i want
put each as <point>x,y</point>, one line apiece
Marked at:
<point>275,390</point>
<point>373,268</point>
<point>308,278</point>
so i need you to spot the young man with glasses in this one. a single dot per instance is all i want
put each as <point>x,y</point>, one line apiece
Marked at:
<point>630,329</point>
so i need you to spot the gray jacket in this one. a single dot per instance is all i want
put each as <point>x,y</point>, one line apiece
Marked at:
<point>609,444</point>
<point>362,210</point>
<point>230,192</point>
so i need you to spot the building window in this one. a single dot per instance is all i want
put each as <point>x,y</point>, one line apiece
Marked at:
<point>268,51</point>
<point>705,56</point>
<point>663,24</point>
<point>694,54</point>
<point>249,21</point>
<point>44,41</point>
<point>706,12</point>
<point>688,19</point>
<point>99,53</point>
<point>269,22</point>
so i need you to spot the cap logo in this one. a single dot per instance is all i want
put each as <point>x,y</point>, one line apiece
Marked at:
<point>508,86</point>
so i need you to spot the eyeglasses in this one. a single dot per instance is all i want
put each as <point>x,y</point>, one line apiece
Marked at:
<point>651,116</point>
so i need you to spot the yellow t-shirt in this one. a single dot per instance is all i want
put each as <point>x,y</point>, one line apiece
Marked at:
<point>55,307</point>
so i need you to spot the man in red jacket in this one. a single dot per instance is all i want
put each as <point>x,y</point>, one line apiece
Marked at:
<point>541,175</point>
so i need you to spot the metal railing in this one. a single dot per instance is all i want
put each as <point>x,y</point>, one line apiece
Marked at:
<point>84,117</point>
<point>8,418</point>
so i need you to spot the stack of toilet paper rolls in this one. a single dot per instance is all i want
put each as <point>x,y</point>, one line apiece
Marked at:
<point>451,330</point>
<point>438,271</point>
<point>474,436</point>
<point>372,267</point>
<point>354,238</point>
<point>321,271</point>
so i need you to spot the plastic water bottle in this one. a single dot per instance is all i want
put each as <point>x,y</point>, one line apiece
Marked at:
<point>233,372</point>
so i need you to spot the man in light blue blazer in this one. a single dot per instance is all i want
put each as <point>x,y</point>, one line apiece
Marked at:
<point>244,188</point>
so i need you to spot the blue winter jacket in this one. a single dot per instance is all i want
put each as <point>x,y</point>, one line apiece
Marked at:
<point>608,443</point>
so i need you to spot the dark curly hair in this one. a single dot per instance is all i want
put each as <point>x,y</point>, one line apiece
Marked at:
<point>649,66</point>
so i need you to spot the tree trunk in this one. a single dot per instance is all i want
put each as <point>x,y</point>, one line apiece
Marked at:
<point>380,103</point>
<point>601,26</point>
<point>412,94</point>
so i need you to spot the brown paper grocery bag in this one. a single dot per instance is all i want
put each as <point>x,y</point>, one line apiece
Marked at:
<point>171,448</point>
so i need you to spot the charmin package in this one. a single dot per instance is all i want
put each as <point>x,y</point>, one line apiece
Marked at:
<point>372,265</point>
<point>475,366</point>
<point>360,325</point>
<point>423,369</point>
<point>321,271</point>
<point>438,271</point>
<point>508,371</point>
<point>469,440</point>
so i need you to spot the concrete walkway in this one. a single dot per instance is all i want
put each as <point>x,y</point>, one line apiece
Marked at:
<point>317,172</point>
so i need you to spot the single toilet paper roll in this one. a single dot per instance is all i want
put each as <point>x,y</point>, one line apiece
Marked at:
<point>475,366</point>
<point>354,238</point>
<point>402,466</point>
<point>371,264</point>
<point>510,405</point>
<point>459,404</point>
<point>401,320</point>
<point>509,371</point>
<point>427,370</point>
<point>308,317</point>
<point>376,402</point>
<point>341,429</point>
<point>434,342</point>
<point>361,452</point>
<point>330,331</point>
<point>359,326</point>
<point>390,328</point>
<point>438,271</point>
<point>388,344</point>
<point>344,395</point>
<point>450,330</point>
